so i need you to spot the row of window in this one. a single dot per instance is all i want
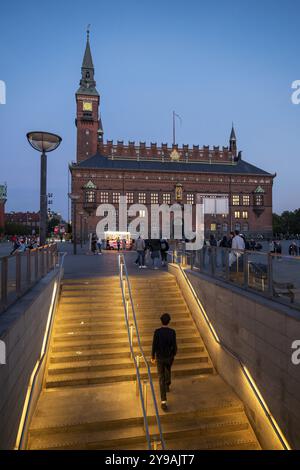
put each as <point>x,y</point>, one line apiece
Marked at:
<point>244,200</point>
<point>237,200</point>
<point>214,227</point>
<point>90,196</point>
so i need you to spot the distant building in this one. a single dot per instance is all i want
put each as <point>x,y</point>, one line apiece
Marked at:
<point>152,174</point>
<point>3,199</point>
<point>28,219</point>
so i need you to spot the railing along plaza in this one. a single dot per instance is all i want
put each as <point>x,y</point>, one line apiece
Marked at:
<point>21,271</point>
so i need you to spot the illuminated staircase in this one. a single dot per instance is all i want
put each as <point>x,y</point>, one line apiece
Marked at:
<point>89,401</point>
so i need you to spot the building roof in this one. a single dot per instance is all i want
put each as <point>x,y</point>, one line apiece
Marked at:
<point>101,162</point>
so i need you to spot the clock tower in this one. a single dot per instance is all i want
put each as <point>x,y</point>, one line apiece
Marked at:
<point>88,122</point>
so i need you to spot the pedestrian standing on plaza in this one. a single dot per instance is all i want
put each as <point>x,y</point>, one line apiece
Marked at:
<point>99,245</point>
<point>94,244</point>
<point>140,249</point>
<point>155,252</point>
<point>224,246</point>
<point>164,248</point>
<point>164,349</point>
<point>118,244</point>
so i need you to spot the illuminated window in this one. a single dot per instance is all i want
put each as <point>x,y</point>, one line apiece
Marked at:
<point>166,198</point>
<point>190,199</point>
<point>90,196</point>
<point>235,200</point>
<point>116,198</point>
<point>142,213</point>
<point>104,197</point>
<point>142,198</point>
<point>258,200</point>
<point>246,200</point>
<point>245,215</point>
<point>237,214</point>
<point>129,197</point>
<point>154,198</point>
<point>213,227</point>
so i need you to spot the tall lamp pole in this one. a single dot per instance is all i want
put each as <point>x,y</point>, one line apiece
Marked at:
<point>43,142</point>
<point>74,198</point>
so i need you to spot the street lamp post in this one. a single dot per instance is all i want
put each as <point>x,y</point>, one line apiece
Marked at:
<point>43,142</point>
<point>74,198</point>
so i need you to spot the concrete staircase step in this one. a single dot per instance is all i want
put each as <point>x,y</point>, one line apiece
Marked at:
<point>229,440</point>
<point>108,329</point>
<point>218,432</point>
<point>75,344</point>
<point>121,334</point>
<point>66,324</point>
<point>120,353</point>
<point>121,375</point>
<point>84,365</point>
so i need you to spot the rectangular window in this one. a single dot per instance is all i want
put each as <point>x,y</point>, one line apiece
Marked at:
<point>237,214</point>
<point>104,197</point>
<point>154,198</point>
<point>129,197</point>
<point>258,200</point>
<point>213,227</point>
<point>166,198</point>
<point>245,215</point>
<point>235,200</point>
<point>190,199</point>
<point>116,198</point>
<point>142,213</point>
<point>246,200</point>
<point>142,198</point>
<point>90,196</point>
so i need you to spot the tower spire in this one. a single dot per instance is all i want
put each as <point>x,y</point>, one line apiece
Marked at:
<point>233,142</point>
<point>87,82</point>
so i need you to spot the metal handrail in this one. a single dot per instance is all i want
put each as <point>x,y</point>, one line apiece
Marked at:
<point>21,437</point>
<point>274,425</point>
<point>122,265</point>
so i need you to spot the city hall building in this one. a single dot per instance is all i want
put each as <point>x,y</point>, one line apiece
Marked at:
<point>162,174</point>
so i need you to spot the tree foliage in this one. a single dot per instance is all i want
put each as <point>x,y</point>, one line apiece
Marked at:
<point>288,223</point>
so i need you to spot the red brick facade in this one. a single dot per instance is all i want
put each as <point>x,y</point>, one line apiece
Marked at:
<point>113,169</point>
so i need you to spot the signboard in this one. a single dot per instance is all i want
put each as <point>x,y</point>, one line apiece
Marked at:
<point>214,203</point>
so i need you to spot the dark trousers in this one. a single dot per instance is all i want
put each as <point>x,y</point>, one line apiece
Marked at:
<point>164,375</point>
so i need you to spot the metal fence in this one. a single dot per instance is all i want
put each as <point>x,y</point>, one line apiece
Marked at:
<point>271,275</point>
<point>21,271</point>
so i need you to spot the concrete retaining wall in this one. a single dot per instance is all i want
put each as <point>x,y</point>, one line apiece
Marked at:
<point>261,333</point>
<point>22,329</point>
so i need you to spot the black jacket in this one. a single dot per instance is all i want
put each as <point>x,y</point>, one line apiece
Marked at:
<point>164,344</point>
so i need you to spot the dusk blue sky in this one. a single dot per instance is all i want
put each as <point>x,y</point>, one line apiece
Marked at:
<point>213,62</point>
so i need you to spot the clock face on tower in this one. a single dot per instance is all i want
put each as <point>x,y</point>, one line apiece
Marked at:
<point>87,106</point>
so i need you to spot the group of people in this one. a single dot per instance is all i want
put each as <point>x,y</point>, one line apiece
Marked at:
<point>23,243</point>
<point>157,249</point>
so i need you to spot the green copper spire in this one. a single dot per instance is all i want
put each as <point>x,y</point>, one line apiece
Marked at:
<point>87,82</point>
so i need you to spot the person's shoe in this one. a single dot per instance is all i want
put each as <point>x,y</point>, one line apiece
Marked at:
<point>140,267</point>
<point>144,267</point>
<point>156,267</point>
<point>164,406</point>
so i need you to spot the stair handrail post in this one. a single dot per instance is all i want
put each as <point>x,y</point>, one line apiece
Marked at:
<point>138,366</point>
<point>145,396</point>
<point>131,335</point>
